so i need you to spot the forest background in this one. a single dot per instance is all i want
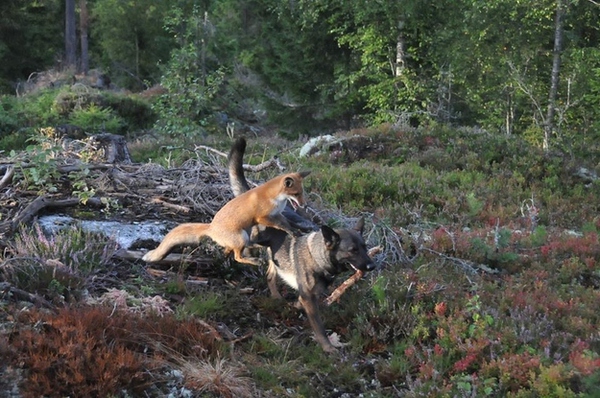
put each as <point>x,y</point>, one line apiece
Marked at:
<point>465,132</point>
<point>528,67</point>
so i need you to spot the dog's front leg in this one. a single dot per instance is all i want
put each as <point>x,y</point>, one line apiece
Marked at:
<point>311,307</point>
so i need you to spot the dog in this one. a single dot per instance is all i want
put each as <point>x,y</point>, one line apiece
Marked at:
<point>307,263</point>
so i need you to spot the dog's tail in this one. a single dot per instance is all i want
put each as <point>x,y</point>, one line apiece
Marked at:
<point>237,179</point>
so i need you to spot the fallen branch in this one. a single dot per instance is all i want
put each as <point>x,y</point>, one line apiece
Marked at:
<point>468,266</point>
<point>7,289</point>
<point>38,204</point>
<point>178,208</point>
<point>172,259</point>
<point>8,175</point>
<point>264,165</point>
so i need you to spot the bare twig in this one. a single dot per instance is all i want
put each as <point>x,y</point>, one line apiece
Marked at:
<point>468,266</point>
<point>274,161</point>
<point>8,175</point>
<point>209,149</point>
<point>178,208</point>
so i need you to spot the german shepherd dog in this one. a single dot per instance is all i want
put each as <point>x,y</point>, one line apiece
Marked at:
<point>307,263</point>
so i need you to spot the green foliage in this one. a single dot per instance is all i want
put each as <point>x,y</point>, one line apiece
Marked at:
<point>30,39</point>
<point>95,119</point>
<point>136,113</point>
<point>131,41</point>
<point>81,189</point>
<point>14,141</point>
<point>37,109</point>
<point>539,235</point>
<point>190,84</point>
<point>89,109</point>
<point>40,171</point>
<point>206,305</point>
<point>8,119</point>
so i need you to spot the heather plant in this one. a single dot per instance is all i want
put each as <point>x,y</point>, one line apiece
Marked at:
<point>57,266</point>
<point>91,351</point>
<point>78,250</point>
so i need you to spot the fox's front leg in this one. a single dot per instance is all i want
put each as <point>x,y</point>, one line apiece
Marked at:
<point>278,221</point>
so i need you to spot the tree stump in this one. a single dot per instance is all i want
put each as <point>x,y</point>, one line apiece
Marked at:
<point>115,148</point>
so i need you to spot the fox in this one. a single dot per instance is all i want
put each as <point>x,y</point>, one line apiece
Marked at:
<point>232,225</point>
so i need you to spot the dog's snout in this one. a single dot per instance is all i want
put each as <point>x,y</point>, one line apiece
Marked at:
<point>370,266</point>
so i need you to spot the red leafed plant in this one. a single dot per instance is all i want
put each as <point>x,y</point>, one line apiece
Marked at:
<point>89,351</point>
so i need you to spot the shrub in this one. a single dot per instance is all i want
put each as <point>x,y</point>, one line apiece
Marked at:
<point>78,250</point>
<point>89,351</point>
<point>94,118</point>
<point>8,120</point>
<point>135,112</point>
<point>57,267</point>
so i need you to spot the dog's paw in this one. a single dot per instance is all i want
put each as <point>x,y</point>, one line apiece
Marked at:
<point>335,341</point>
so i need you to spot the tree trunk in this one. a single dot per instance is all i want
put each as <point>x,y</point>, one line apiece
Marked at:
<point>70,35</point>
<point>399,64</point>
<point>83,27</point>
<point>558,40</point>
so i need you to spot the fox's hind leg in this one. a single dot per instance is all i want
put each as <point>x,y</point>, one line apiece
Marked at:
<point>184,234</point>
<point>236,244</point>
<point>239,257</point>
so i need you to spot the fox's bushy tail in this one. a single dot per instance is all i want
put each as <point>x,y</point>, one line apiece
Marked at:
<point>237,179</point>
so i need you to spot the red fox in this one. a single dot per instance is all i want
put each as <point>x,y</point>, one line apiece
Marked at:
<point>231,226</point>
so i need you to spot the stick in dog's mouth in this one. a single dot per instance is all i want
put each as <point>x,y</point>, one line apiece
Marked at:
<point>358,274</point>
<point>337,293</point>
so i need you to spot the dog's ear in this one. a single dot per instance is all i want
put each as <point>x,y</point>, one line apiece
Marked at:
<point>360,225</point>
<point>332,239</point>
<point>304,173</point>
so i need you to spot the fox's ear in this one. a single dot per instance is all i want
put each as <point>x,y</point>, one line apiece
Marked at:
<point>360,225</point>
<point>304,173</point>
<point>332,239</point>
